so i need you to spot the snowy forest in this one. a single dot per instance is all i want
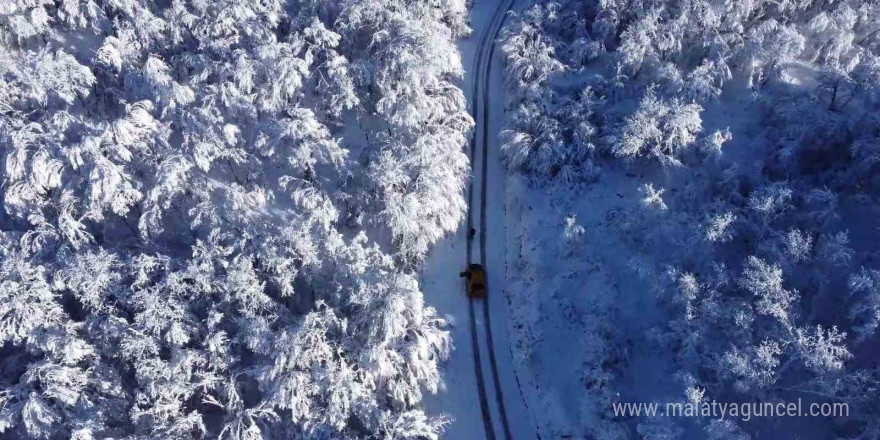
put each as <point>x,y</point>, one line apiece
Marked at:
<point>750,131</point>
<point>210,213</point>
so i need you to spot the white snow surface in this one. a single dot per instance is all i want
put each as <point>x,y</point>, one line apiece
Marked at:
<point>575,310</point>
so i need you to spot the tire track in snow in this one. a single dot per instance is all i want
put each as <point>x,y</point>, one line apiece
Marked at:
<point>499,396</point>
<point>482,66</point>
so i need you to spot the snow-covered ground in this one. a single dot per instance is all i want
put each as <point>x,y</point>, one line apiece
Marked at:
<point>578,314</point>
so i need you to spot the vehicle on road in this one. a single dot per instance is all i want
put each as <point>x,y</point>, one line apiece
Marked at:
<point>476,281</point>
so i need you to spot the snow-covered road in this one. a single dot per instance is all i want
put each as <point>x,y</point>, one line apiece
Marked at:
<point>503,414</point>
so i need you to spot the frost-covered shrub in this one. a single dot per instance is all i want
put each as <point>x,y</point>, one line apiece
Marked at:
<point>572,235</point>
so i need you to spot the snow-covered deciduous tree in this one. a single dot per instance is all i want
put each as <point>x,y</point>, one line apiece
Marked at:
<point>770,202</point>
<point>755,368</point>
<point>417,167</point>
<point>834,249</point>
<point>529,51</point>
<point>770,46</point>
<point>823,350</point>
<point>764,281</point>
<point>719,227</point>
<point>659,130</point>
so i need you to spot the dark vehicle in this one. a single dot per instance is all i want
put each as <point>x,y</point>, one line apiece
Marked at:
<point>476,281</point>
